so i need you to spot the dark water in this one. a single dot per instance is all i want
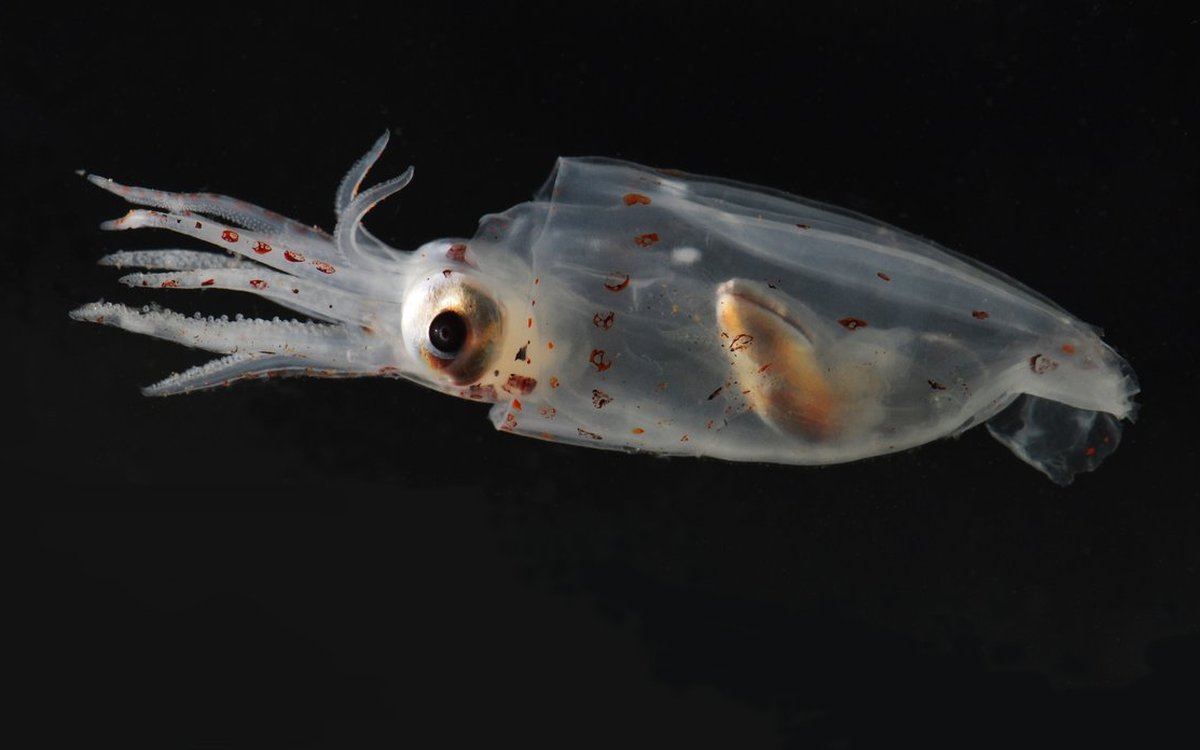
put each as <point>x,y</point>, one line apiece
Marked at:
<point>366,564</point>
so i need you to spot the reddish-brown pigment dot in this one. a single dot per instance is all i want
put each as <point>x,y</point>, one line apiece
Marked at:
<point>529,323</point>
<point>635,199</point>
<point>516,404</point>
<point>293,256</point>
<point>740,342</point>
<point>883,276</point>
<point>598,359</point>
<point>446,272</point>
<point>1091,450</point>
<point>553,382</point>
<point>208,282</point>
<point>199,225</point>
<point>1041,364</point>
<point>637,431</point>
<point>803,226</point>
<point>616,282</point>
<point>229,235</point>
<point>935,385</point>
<point>646,240</point>
<point>852,324</point>
<point>261,247</point>
<point>979,314</point>
<point>1068,348</point>
<point>764,367</point>
<point>550,345</point>
<point>600,399</point>
<point>605,321</point>
<point>457,252</point>
<point>522,384</point>
<point>170,284</point>
<point>683,439</point>
<point>323,267</point>
<point>295,291</point>
<point>258,283</point>
<point>547,412</point>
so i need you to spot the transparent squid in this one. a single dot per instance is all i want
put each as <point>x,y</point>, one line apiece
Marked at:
<point>651,310</point>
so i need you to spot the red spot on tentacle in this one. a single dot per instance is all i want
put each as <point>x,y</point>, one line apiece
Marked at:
<point>258,283</point>
<point>635,199</point>
<point>616,282</point>
<point>605,321</point>
<point>293,256</point>
<point>600,399</point>
<point>547,412</point>
<point>740,342</point>
<point>262,248</point>
<point>883,276</point>
<point>1068,348</point>
<point>457,252</point>
<point>323,267</point>
<point>208,282</point>
<point>229,235</point>
<point>851,324</point>
<point>529,323</point>
<point>516,404</point>
<point>980,314</point>
<point>646,240</point>
<point>637,431</point>
<point>199,225</point>
<point>599,360</point>
<point>170,284</point>
<point>553,382</point>
<point>550,345</point>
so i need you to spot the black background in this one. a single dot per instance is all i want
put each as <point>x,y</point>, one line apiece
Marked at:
<point>366,564</point>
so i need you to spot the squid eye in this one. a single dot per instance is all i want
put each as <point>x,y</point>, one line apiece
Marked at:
<point>453,328</point>
<point>448,332</point>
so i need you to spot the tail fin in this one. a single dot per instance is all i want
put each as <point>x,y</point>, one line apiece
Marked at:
<point>1056,439</point>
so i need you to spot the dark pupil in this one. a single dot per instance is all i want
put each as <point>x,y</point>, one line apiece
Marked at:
<point>448,332</point>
